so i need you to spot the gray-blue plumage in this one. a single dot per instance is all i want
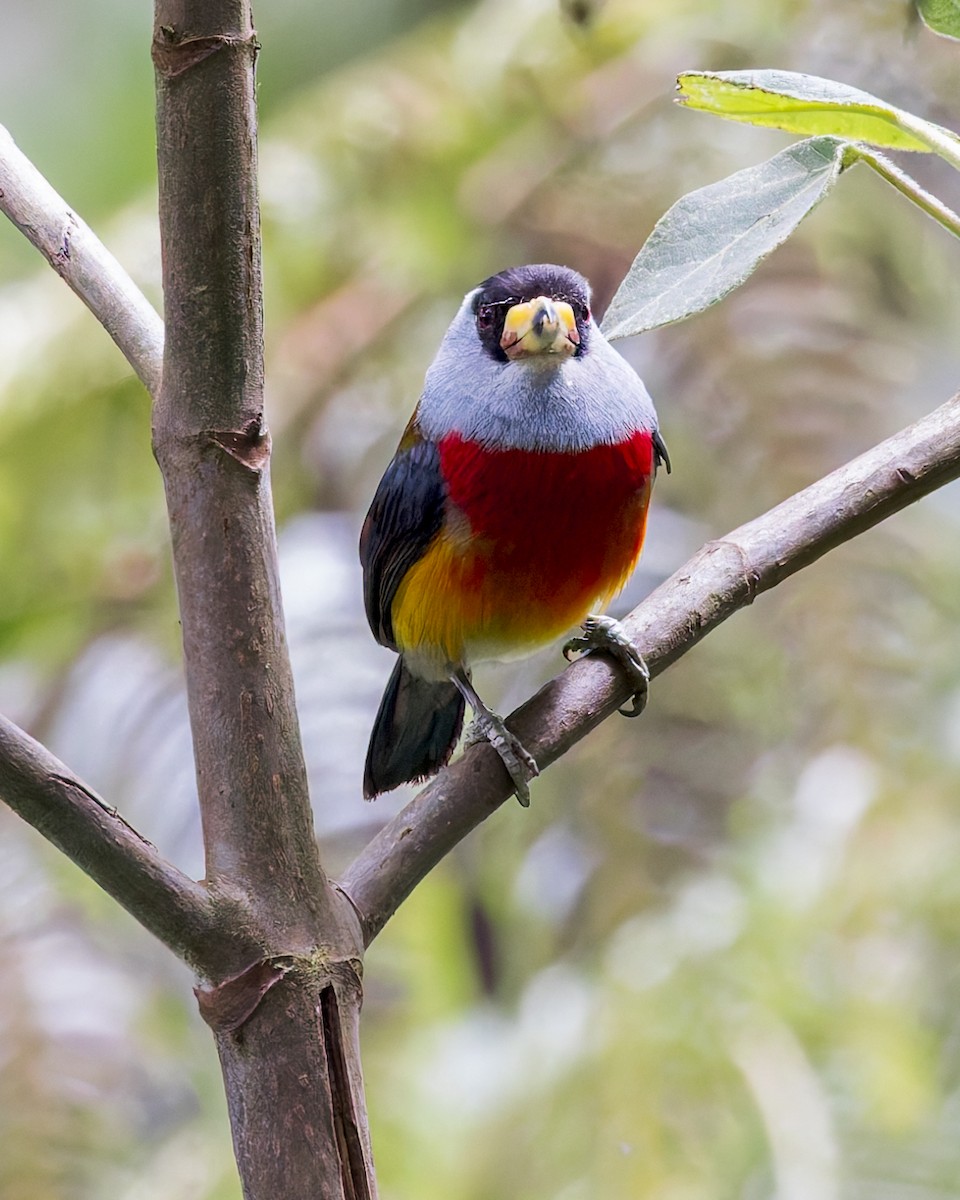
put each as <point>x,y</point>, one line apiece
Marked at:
<point>537,404</point>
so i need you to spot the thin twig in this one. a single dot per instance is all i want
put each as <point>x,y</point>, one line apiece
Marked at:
<point>930,204</point>
<point>724,576</point>
<point>82,261</point>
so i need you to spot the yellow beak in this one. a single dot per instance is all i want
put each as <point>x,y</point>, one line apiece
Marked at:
<point>540,326</point>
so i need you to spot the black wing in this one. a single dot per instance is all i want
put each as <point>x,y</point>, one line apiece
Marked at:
<point>660,454</point>
<point>405,516</point>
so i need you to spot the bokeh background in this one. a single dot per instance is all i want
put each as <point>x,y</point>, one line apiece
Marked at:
<point>718,957</point>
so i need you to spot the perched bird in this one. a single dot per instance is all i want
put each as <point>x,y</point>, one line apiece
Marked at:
<point>515,505</point>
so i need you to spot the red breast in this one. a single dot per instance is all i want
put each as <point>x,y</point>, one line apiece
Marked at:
<point>532,541</point>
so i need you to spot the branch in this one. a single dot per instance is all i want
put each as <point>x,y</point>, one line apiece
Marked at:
<point>82,261</point>
<point>723,577</point>
<point>38,787</point>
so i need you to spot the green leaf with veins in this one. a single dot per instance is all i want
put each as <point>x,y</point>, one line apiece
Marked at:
<point>712,239</point>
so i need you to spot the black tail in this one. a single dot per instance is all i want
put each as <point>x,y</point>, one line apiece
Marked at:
<point>415,732</point>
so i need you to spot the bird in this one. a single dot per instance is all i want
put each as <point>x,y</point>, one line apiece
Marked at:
<point>514,509</point>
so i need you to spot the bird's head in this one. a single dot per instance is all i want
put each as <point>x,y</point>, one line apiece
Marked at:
<point>523,365</point>
<point>538,314</point>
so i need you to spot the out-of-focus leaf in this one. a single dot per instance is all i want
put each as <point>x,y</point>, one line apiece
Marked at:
<point>581,12</point>
<point>810,105</point>
<point>712,239</point>
<point>942,16</point>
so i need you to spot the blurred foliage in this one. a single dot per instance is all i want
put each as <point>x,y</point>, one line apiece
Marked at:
<point>718,956</point>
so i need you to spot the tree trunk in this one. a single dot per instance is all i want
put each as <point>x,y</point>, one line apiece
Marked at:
<point>286,1020</point>
<point>293,1082</point>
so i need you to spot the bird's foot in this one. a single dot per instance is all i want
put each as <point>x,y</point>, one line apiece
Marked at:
<point>607,634</point>
<point>488,727</point>
<point>521,766</point>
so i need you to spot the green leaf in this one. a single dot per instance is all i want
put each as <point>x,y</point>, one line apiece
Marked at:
<point>810,105</point>
<point>712,239</point>
<point>943,16</point>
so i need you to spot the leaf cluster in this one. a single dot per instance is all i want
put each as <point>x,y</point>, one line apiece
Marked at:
<point>710,241</point>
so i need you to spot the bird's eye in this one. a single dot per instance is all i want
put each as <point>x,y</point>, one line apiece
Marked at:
<point>485,317</point>
<point>585,313</point>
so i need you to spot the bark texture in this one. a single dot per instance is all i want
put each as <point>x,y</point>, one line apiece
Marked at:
<point>286,1020</point>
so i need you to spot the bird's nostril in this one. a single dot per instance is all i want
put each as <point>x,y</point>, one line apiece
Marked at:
<point>546,314</point>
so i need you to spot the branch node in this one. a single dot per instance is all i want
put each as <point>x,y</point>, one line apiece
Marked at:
<point>227,1006</point>
<point>750,575</point>
<point>174,53</point>
<point>250,446</point>
<point>61,256</point>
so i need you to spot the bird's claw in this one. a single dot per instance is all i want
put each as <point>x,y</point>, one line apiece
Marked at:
<point>607,634</point>
<point>520,763</point>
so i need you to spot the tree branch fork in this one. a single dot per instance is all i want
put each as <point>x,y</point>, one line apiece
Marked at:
<point>211,925</point>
